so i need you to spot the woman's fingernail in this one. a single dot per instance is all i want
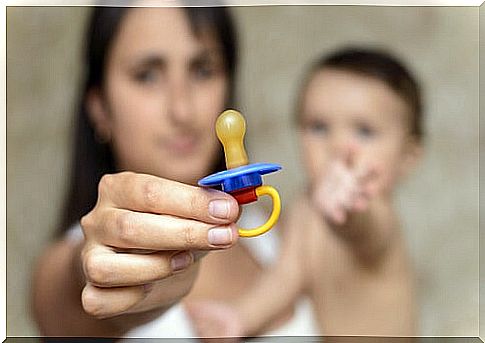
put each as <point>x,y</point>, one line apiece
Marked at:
<point>218,236</point>
<point>219,208</point>
<point>180,261</point>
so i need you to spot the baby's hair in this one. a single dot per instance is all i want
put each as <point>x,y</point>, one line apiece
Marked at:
<point>378,64</point>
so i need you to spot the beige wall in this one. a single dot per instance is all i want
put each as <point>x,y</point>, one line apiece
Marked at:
<point>482,167</point>
<point>43,47</point>
<point>438,204</point>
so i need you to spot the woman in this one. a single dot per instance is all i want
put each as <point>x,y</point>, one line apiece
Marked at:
<point>157,79</point>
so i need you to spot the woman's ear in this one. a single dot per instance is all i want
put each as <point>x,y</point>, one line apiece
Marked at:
<point>98,115</point>
<point>413,153</point>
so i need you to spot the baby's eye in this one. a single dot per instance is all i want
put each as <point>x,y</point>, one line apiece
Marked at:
<point>317,127</point>
<point>365,131</point>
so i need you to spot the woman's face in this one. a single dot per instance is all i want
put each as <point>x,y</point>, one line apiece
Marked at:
<point>163,91</point>
<point>343,111</point>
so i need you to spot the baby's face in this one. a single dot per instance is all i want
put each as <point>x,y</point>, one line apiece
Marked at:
<point>342,111</point>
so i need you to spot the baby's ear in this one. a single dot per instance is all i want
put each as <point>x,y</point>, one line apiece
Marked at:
<point>413,153</point>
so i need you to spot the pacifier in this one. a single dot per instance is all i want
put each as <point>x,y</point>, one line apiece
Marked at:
<point>242,180</point>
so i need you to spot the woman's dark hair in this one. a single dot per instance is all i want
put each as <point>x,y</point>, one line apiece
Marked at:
<point>380,65</point>
<point>92,158</point>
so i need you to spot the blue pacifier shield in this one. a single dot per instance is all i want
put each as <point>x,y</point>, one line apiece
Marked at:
<point>240,177</point>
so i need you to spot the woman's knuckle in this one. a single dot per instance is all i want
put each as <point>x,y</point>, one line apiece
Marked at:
<point>151,194</point>
<point>164,271</point>
<point>105,183</point>
<point>195,203</point>
<point>92,304</point>
<point>109,221</point>
<point>190,236</point>
<point>93,269</point>
<point>126,228</point>
<point>87,221</point>
<point>127,174</point>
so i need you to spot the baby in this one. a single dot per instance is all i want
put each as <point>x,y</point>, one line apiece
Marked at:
<point>359,116</point>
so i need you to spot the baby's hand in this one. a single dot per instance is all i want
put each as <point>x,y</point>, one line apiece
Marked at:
<point>346,187</point>
<point>213,319</point>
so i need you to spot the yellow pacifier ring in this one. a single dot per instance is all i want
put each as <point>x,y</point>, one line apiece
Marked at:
<point>273,218</point>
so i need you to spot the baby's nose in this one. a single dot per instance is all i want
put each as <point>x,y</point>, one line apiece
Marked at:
<point>343,147</point>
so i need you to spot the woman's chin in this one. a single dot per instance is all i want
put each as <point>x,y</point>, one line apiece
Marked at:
<point>188,175</point>
<point>188,171</point>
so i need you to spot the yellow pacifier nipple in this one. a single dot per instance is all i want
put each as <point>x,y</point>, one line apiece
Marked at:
<point>230,129</point>
<point>244,182</point>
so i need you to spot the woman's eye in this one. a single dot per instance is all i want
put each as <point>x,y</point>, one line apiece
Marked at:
<point>365,131</point>
<point>146,76</point>
<point>203,71</point>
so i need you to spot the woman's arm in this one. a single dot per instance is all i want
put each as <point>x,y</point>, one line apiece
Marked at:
<point>137,258</point>
<point>279,286</point>
<point>272,294</point>
<point>57,286</point>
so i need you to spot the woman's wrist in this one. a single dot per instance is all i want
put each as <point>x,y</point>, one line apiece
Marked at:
<point>116,326</point>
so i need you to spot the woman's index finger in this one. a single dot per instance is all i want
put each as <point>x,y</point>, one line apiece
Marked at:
<point>148,193</point>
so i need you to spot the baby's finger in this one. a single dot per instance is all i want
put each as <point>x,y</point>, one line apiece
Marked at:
<point>108,302</point>
<point>106,268</point>
<point>372,185</point>
<point>366,173</point>
<point>137,230</point>
<point>346,198</point>
<point>337,216</point>
<point>361,204</point>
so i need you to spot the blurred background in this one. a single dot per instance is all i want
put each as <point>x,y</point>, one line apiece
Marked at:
<point>438,204</point>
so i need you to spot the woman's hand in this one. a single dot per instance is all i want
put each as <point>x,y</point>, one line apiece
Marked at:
<point>141,240</point>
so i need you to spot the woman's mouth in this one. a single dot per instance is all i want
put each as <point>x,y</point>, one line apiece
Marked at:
<point>182,144</point>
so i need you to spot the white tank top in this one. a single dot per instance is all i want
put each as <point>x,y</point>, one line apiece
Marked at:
<point>175,323</point>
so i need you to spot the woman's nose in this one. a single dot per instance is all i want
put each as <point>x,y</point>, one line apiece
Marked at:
<point>180,102</point>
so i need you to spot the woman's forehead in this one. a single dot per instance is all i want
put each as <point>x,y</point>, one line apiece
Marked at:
<point>164,31</point>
